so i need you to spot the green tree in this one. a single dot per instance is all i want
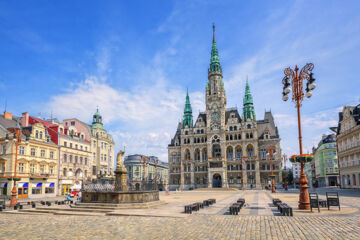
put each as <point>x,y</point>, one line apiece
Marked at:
<point>290,177</point>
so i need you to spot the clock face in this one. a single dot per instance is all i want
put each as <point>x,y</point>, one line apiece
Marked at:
<point>215,117</point>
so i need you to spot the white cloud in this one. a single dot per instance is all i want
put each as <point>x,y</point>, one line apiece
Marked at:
<point>145,118</point>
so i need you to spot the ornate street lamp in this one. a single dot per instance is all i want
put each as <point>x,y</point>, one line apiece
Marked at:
<point>295,79</point>
<point>285,174</point>
<point>272,176</point>
<point>17,141</point>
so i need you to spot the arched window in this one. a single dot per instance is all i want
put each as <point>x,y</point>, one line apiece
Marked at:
<point>251,135</point>
<point>238,152</point>
<point>231,128</point>
<point>250,150</point>
<point>216,152</point>
<point>229,153</point>
<point>235,128</point>
<point>187,154</point>
<point>239,136</point>
<point>235,137</point>
<point>249,126</point>
<point>204,154</point>
<point>231,137</point>
<point>227,137</point>
<point>197,154</point>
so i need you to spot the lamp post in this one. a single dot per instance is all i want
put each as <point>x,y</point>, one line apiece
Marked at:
<point>295,79</point>
<point>17,140</point>
<point>285,177</point>
<point>272,176</point>
<point>242,172</point>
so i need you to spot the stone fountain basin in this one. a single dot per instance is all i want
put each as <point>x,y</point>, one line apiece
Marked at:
<point>120,196</point>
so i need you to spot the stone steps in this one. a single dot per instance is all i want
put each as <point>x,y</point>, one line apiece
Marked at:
<point>118,206</point>
<point>216,189</point>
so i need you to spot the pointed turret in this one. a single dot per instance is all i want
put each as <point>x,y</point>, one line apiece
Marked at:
<point>214,61</point>
<point>248,106</point>
<point>188,118</point>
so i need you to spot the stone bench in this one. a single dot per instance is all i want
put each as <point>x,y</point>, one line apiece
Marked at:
<point>192,207</point>
<point>285,209</point>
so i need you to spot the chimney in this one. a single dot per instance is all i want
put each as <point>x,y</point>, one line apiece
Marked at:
<point>7,115</point>
<point>25,119</point>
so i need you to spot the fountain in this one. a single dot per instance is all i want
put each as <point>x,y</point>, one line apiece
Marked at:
<point>120,193</point>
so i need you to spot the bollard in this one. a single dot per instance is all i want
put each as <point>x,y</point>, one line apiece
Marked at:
<point>15,207</point>
<point>20,206</point>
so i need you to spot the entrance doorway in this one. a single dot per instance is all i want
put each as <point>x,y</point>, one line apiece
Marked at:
<point>216,183</point>
<point>23,190</point>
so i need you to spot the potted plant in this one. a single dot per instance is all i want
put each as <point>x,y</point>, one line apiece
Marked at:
<point>301,158</point>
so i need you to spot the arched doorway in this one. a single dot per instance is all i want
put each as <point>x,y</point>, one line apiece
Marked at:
<point>216,183</point>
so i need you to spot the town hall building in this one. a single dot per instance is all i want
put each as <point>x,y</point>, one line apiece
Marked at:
<point>223,148</point>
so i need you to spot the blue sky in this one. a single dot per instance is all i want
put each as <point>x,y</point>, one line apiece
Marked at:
<point>135,59</point>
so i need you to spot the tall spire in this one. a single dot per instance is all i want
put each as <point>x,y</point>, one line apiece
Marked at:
<point>188,118</point>
<point>214,61</point>
<point>214,33</point>
<point>248,106</point>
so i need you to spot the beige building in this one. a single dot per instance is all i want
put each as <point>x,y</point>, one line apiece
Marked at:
<point>223,148</point>
<point>102,148</point>
<point>37,158</point>
<point>348,142</point>
<point>75,156</point>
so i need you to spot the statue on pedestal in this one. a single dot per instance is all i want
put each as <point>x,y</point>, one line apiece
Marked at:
<point>120,173</point>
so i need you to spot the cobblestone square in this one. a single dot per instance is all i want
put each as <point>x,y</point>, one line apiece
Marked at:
<point>257,220</point>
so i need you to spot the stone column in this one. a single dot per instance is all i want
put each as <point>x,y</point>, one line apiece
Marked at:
<point>192,182</point>
<point>257,175</point>
<point>181,175</point>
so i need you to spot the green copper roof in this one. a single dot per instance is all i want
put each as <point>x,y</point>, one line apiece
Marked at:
<point>97,120</point>
<point>214,60</point>
<point>248,106</point>
<point>188,118</point>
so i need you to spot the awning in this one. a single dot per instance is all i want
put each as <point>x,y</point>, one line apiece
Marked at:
<point>22,185</point>
<point>36,185</point>
<point>3,185</point>
<point>76,187</point>
<point>49,184</point>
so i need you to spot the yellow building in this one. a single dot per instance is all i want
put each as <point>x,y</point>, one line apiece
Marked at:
<point>37,159</point>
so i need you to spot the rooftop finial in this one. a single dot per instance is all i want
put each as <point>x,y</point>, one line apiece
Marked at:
<point>213,32</point>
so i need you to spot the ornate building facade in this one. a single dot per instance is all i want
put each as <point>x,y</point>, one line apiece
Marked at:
<point>102,147</point>
<point>150,167</point>
<point>222,148</point>
<point>348,142</point>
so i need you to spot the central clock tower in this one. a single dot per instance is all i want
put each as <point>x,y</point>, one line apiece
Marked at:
<point>215,92</point>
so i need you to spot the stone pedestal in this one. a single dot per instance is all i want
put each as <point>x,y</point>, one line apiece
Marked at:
<point>120,174</point>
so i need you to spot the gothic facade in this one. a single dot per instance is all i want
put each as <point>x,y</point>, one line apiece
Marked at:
<point>222,148</point>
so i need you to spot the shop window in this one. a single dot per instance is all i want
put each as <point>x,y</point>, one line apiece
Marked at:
<point>49,190</point>
<point>36,190</point>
